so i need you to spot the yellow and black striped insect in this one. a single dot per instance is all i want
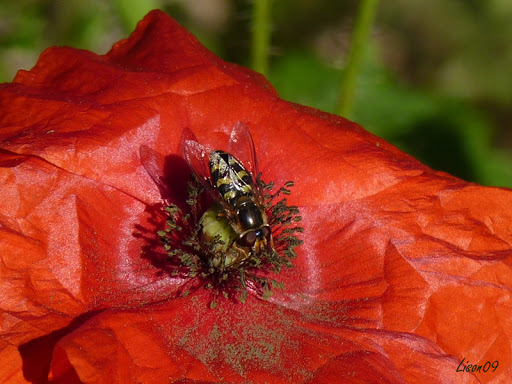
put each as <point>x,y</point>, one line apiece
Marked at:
<point>230,177</point>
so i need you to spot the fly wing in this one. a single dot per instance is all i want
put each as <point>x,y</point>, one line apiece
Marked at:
<point>153,163</point>
<point>241,146</point>
<point>197,156</point>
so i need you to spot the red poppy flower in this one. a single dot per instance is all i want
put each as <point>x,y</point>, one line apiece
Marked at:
<point>404,271</point>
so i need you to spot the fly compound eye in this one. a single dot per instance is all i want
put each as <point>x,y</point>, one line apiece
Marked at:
<point>265,231</point>
<point>248,239</point>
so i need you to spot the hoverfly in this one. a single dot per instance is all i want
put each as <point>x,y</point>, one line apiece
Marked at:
<point>230,178</point>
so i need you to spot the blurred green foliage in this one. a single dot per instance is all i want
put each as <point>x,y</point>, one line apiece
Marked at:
<point>436,79</point>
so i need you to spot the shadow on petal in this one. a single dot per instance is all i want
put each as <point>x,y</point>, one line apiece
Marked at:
<point>37,354</point>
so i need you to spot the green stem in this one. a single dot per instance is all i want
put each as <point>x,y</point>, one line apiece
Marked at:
<point>362,29</point>
<point>260,35</point>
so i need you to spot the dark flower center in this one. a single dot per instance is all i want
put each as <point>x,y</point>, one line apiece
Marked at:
<point>204,247</point>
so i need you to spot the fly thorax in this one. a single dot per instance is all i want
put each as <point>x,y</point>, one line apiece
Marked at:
<point>249,215</point>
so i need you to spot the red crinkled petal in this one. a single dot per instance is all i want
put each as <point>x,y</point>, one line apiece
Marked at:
<point>404,271</point>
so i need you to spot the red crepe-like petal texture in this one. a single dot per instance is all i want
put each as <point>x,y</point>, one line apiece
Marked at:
<point>211,346</point>
<point>404,271</point>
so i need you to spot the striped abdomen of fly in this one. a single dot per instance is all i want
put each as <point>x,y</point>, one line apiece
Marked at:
<point>235,186</point>
<point>229,177</point>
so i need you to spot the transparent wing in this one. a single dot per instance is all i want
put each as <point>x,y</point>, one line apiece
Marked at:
<point>242,147</point>
<point>197,156</point>
<point>153,163</point>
